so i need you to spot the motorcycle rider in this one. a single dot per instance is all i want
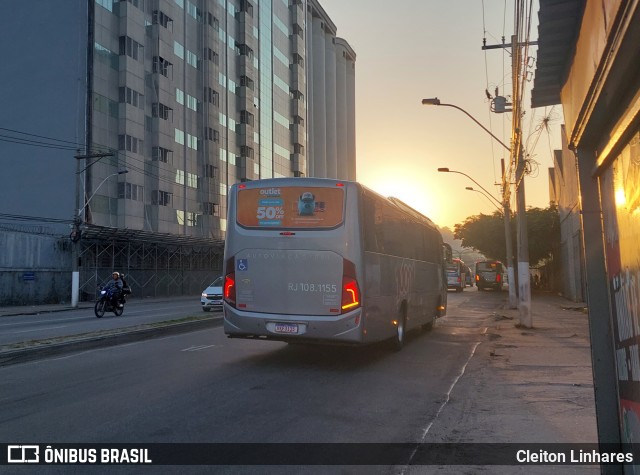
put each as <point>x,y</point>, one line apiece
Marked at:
<point>116,283</point>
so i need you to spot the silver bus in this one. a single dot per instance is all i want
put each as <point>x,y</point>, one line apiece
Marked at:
<point>328,261</point>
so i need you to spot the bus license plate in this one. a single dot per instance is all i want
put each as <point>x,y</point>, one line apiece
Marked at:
<point>286,328</point>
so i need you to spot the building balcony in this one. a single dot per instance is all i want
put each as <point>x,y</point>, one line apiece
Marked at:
<point>298,164</point>
<point>298,133</point>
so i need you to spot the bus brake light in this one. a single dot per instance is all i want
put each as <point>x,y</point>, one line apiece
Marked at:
<point>230,289</point>
<point>350,294</point>
<point>350,289</point>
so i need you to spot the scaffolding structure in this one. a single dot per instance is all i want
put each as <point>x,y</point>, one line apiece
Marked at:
<point>155,265</point>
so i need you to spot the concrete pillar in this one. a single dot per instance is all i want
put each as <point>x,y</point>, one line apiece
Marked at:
<point>318,108</point>
<point>351,118</point>
<point>330,98</point>
<point>598,302</point>
<point>342,144</point>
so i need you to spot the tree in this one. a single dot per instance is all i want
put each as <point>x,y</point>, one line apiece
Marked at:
<point>486,234</point>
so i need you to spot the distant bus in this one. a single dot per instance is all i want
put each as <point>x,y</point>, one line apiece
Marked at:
<point>328,261</point>
<point>456,275</point>
<point>489,275</point>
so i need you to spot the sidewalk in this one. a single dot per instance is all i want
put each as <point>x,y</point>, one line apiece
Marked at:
<point>526,385</point>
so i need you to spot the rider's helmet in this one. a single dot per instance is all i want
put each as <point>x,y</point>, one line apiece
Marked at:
<point>115,274</point>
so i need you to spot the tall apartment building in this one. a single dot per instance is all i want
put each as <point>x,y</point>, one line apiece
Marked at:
<point>188,96</point>
<point>198,95</point>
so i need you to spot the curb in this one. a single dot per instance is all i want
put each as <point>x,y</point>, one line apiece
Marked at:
<point>119,337</point>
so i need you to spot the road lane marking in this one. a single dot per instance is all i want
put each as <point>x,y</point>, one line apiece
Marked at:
<point>198,348</point>
<point>39,329</point>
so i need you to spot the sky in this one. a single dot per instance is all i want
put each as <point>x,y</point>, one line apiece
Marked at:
<point>433,48</point>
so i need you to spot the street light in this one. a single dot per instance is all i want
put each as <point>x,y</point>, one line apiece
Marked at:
<point>446,170</point>
<point>119,172</point>
<point>434,101</point>
<point>489,197</point>
<point>75,251</point>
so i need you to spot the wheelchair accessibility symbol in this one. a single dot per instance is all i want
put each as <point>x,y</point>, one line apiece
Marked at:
<point>243,264</point>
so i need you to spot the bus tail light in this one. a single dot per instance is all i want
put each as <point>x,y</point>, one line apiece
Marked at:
<point>229,289</point>
<point>350,288</point>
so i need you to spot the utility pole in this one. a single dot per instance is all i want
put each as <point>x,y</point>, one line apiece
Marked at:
<point>517,157</point>
<point>76,232</point>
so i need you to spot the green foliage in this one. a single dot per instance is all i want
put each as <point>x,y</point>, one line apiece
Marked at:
<point>486,234</point>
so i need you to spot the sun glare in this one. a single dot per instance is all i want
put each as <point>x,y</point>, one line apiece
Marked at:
<point>416,196</point>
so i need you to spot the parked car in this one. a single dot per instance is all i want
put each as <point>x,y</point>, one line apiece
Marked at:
<point>212,296</point>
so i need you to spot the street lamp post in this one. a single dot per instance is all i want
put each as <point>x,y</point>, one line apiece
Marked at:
<point>76,234</point>
<point>513,298</point>
<point>489,197</point>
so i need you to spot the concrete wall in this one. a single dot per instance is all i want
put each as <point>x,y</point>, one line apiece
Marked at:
<point>34,268</point>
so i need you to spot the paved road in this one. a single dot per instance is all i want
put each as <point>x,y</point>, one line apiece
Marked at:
<point>203,387</point>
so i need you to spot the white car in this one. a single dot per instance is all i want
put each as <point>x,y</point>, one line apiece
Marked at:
<point>212,296</point>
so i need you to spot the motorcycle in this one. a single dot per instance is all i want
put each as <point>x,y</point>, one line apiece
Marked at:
<point>105,303</point>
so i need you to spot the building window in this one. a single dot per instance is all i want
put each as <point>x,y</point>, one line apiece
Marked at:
<point>246,151</point>
<point>210,209</point>
<point>192,59</point>
<point>179,96</point>
<point>108,4</point>
<point>178,50</point>
<point>161,66</point>
<point>161,18</point>
<point>129,143</point>
<point>106,56</point>
<point>246,81</point>
<point>160,154</point>
<point>299,60</point>
<point>211,55</point>
<point>192,180</point>
<point>192,102</point>
<point>179,136</point>
<point>130,191</point>
<point>246,117</point>
<point>211,96</point>
<point>161,198</point>
<point>192,141</point>
<point>213,22</point>
<point>210,171</point>
<point>298,120</point>
<point>246,7</point>
<point>297,148</point>
<point>161,111</point>
<point>130,47</point>
<point>105,105</point>
<point>194,11</point>
<point>132,97</point>
<point>244,50</point>
<point>211,134</point>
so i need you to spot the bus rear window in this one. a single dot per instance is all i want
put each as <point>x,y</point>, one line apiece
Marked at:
<point>291,207</point>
